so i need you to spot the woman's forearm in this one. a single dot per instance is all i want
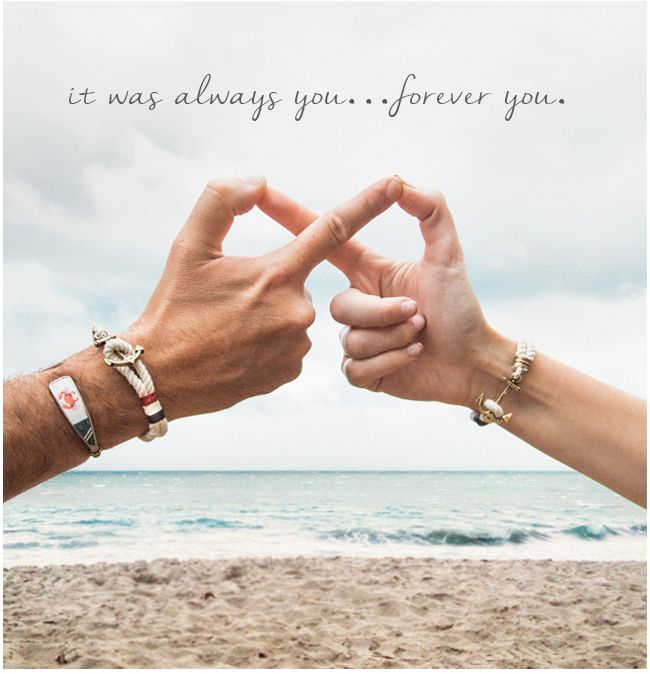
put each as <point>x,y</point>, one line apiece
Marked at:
<point>590,426</point>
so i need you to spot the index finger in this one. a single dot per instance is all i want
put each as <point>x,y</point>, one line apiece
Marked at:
<point>318,241</point>
<point>296,218</point>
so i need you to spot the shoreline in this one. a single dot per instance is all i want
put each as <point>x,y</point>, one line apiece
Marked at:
<point>327,612</point>
<point>454,554</point>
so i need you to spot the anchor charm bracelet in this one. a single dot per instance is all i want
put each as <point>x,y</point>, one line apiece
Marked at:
<point>123,357</point>
<point>490,411</point>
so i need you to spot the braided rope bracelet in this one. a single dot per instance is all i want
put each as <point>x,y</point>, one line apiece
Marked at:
<point>118,353</point>
<point>490,411</point>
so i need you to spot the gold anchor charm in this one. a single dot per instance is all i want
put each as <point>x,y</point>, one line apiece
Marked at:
<point>126,359</point>
<point>488,414</point>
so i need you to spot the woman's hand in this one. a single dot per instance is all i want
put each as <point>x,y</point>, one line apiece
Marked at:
<point>577,420</point>
<point>413,329</point>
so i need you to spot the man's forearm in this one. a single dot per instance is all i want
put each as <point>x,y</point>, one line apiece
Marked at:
<point>223,329</point>
<point>39,443</point>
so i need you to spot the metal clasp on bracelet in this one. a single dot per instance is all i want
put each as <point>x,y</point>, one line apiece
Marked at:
<point>126,359</point>
<point>101,336</point>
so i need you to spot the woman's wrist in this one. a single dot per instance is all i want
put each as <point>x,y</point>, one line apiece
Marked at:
<point>493,360</point>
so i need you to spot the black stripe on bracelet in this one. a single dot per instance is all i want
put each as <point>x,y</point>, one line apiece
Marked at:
<point>155,418</point>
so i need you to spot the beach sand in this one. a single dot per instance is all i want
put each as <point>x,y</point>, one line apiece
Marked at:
<point>327,612</point>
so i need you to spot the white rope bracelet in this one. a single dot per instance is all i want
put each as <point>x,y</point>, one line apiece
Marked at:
<point>119,354</point>
<point>490,411</point>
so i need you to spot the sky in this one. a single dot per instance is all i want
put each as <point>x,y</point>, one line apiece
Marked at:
<point>550,206</point>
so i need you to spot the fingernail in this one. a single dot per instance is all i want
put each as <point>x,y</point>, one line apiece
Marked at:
<point>394,188</point>
<point>409,307</point>
<point>418,322</point>
<point>254,180</point>
<point>414,349</point>
<point>344,366</point>
<point>404,182</point>
<point>343,333</point>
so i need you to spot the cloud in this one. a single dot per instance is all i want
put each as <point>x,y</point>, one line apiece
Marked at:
<point>550,207</point>
<point>41,316</point>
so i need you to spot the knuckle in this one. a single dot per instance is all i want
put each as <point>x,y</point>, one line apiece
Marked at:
<point>338,225</point>
<point>386,313</point>
<point>407,331</point>
<point>220,194</point>
<point>303,316</point>
<point>394,359</point>
<point>351,371</point>
<point>373,201</point>
<point>338,307</point>
<point>180,247</point>
<point>276,276</point>
<point>217,188</point>
<point>353,344</point>
<point>307,314</point>
<point>343,337</point>
<point>438,200</point>
<point>294,371</point>
<point>282,273</point>
<point>335,307</point>
<point>269,386</point>
<point>306,346</point>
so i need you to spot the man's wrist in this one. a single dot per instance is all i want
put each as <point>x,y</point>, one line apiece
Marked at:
<point>157,360</point>
<point>113,405</point>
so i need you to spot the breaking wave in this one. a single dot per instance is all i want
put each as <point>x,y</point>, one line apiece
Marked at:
<point>482,538</point>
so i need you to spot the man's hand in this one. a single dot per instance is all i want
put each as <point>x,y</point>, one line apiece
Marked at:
<point>220,329</point>
<point>414,329</point>
<point>216,330</point>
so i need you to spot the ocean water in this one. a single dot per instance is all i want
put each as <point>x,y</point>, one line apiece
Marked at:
<point>85,517</point>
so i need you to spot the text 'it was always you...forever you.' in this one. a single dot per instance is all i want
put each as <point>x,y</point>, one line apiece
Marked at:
<point>392,102</point>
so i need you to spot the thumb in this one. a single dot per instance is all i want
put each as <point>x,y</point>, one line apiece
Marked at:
<point>436,223</point>
<point>216,209</point>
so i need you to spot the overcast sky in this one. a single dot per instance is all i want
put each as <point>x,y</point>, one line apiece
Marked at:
<point>550,206</point>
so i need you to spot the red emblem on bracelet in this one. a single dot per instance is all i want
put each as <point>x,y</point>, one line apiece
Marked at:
<point>68,399</point>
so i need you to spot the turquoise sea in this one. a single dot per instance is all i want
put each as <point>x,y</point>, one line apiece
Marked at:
<point>85,517</point>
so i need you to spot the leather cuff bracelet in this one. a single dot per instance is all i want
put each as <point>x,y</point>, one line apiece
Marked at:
<point>67,396</point>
